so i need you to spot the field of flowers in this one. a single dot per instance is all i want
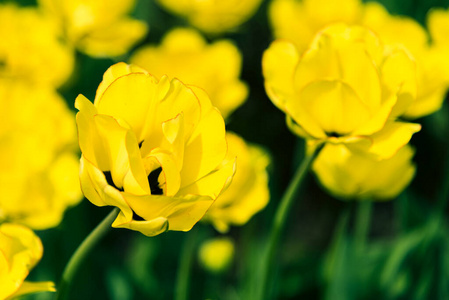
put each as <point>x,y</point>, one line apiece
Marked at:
<point>224,150</point>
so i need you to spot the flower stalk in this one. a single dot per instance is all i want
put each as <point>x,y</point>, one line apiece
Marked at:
<point>81,253</point>
<point>280,219</point>
<point>185,265</point>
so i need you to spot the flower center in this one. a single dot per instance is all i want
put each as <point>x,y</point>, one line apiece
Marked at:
<point>153,180</point>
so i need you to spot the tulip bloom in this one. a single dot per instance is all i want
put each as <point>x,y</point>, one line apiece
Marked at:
<point>348,174</point>
<point>99,28</point>
<point>431,59</point>
<point>30,48</point>
<point>20,250</point>
<point>212,16</point>
<point>38,160</point>
<point>153,148</point>
<point>346,88</point>
<point>184,54</point>
<point>248,193</point>
<point>300,20</point>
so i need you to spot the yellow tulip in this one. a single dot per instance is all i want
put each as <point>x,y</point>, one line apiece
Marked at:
<point>30,48</point>
<point>184,54</point>
<point>299,21</point>
<point>98,28</point>
<point>431,59</point>
<point>346,88</point>
<point>38,161</point>
<point>347,174</point>
<point>248,192</point>
<point>153,148</point>
<point>20,250</point>
<point>212,16</point>
<point>216,254</point>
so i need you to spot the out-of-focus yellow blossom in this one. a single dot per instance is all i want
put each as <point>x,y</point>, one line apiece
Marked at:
<point>431,60</point>
<point>184,54</point>
<point>348,174</point>
<point>20,250</point>
<point>153,148</point>
<point>248,192</point>
<point>213,16</point>
<point>346,88</point>
<point>299,21</point>
<point>99,28</point>
<point>438,25</point>
<point>30,48</point>
<point>216,254</point>
<point>38,164</point>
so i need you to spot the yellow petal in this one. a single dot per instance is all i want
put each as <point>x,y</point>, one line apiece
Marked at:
<point>112,73</point>
<point>392,137</point>
<point>33,287</point>
<point>131,98</point>
<point>113,40</point>
<point>328,106</point>
<point>279,63</point>
<point>212,184</point>
<point>200,158</point>
<point>181,212</point>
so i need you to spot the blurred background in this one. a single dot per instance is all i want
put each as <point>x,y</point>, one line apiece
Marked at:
<point>407,253</point>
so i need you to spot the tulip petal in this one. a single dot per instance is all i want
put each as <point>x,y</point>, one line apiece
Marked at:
<point>208,184</point>
<point>114,72</point>
<point>328,106</point>
<point>33,287</point>
<point>131,98</point>
<point>202,157</point>
<point>392,137</point>
<point>279,63</point>
<point>181,212</point>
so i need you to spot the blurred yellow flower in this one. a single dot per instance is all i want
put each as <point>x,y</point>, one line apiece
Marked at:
<point>20,250</point>
<point>185,54</point>
<point>153,148</point>
<point>346,88</point>
<point>216,255</point>
<point>98,28</point>
<point>248,192</point>
<point>432,61</point>
<point>38,164</point>
<point>212,16</point>
<point>299,21</point>
<point>347,174</point>
<point>30,48</point>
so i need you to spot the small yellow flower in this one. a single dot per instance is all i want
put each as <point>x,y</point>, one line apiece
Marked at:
<point>212,16</point>
<point>346,88</point>
<point>248,192</point>
<point>30,48</point>
<point>98,28</point>
<point>153,148</point>
<point>38,164</point>
<point>347,174</point>
<point>20,250</point>
<point>184,54</point>
<point>216,254</point>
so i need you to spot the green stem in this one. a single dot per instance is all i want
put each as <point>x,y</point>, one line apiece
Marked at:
<point>81,253</point>
<point>185,265</point>
<point>279,221</point>
<point>363,221</point>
